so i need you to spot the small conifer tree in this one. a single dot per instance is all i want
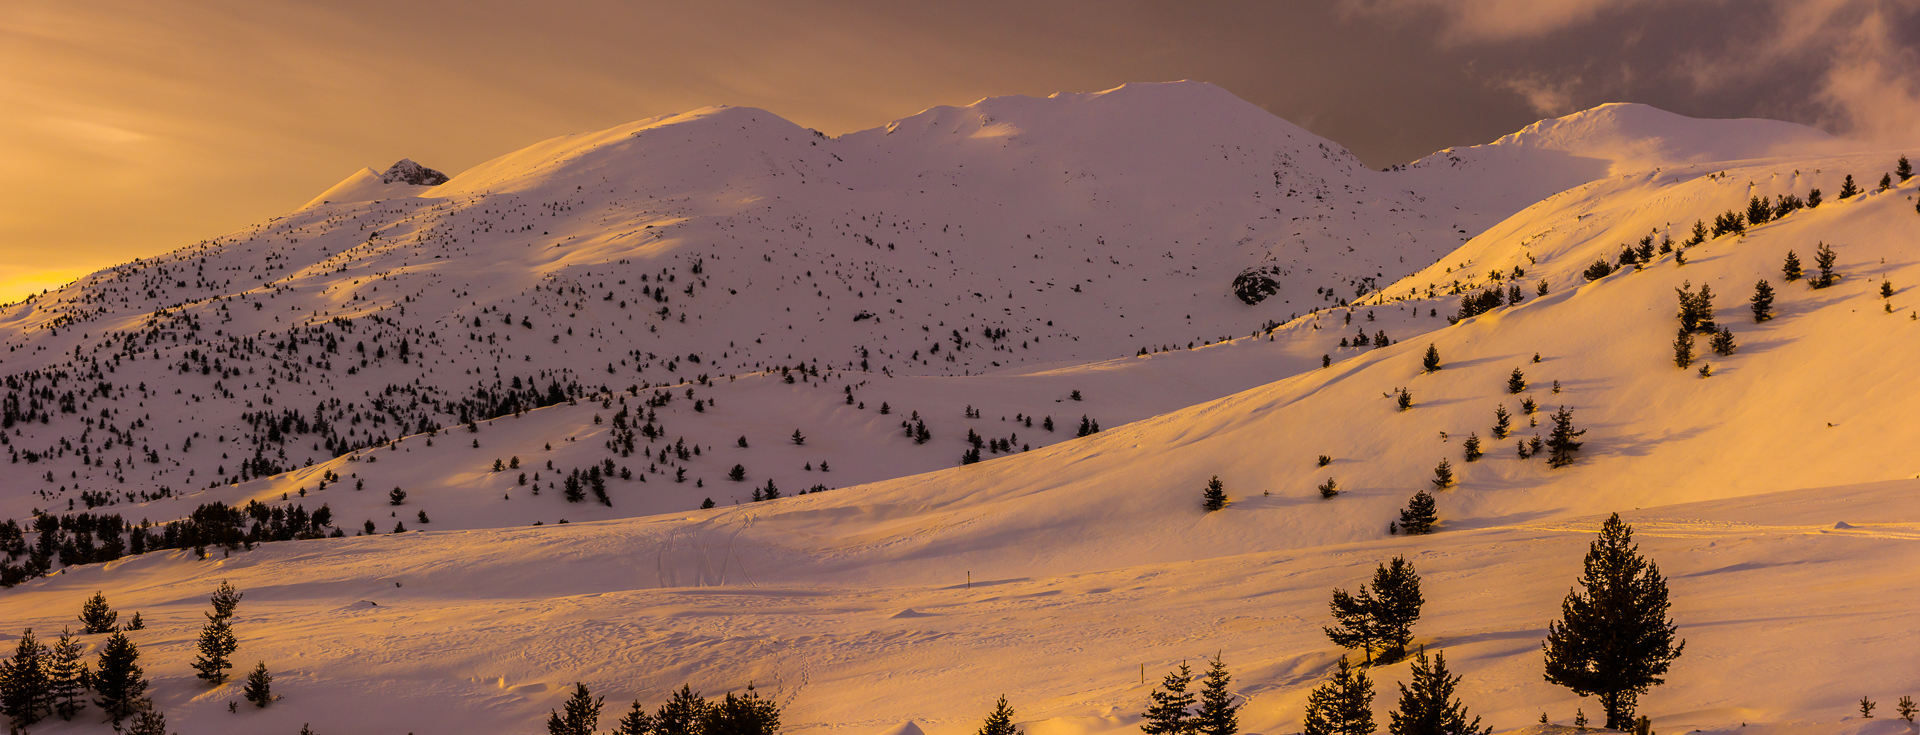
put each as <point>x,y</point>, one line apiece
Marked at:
<point>1723,342</point>
<point>1561,443</point>
<point>151,721</point>
<point>1502,422</point>
<point>1847,188</point>
<point>1342,706</point>
<point>1886,288</point>
<point>1443,473</point>
<point>259,687</point>
<point>1218,714</point>
<point>1432,360</point>
<point>1905,706</point>
<point>396,496</point>
<point>1762,301</point>
<point>1516,381</point>
<point>118,678</point>
<point>1472,447</point>
<point>1429,707</point>
<point>96,616</point>
<point>1903,169</point>
<point>1215,495</point>
<point>1791,270</point>
<point>1404,400</point>
<point>1167,706</point>
<point>1824,258</point>
<point>217,644</point>
<point>1813,198</point>
<point>1683,349</point>
<point>1000,721</point>
<point>682,713</point>
<point>1613,640</point>
<point>582,713</point>
<point>1419,516</point>
<point>637,721</point>
<point>1886,182</point>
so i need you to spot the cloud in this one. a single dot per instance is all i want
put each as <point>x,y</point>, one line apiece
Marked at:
<point>1480,21</point>
<point>1547,96</point>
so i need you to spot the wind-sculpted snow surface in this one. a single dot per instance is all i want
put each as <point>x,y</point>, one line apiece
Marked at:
<point>610,329</point>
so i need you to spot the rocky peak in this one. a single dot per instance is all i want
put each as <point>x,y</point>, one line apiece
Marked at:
<point>412,173</point>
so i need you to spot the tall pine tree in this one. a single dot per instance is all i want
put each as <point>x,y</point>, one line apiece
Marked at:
<point>1342,706</point>
<point>1167,706</point>
<point>1614,639</point>
<point>1218,714</point>
<point>25,692</point>
<point>681,714</point>
<point>118,678</point>
<point>67,677</point>
<point>1428,707</point>
<point>216,648</point>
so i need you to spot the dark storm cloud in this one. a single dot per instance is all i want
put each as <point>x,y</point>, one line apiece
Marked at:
<point>156,124</point>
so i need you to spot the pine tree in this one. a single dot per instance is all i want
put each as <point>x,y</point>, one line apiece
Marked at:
<point>1404,400</point>
<point>1502,422</point>
<point>225,601</point>
<point>1355,625</point>
<point>1683,348</point>
<point>1824,258</point>
<point>118,678</point>
<point>1000,721</point>
<point>1813,198</point>
<point>1329,488</point>
<point>66,677</point>
<point>637,722</point>
<point>1215,494</point>
<point>1886,182</point>
<point>747,714</point>
<point>1905,707</point>
<point>1432,361</point>
<point>1886,288</point>
<point>96,616</point>
<point>1418,517</point>
<point>1443,474</point>
<point>1516,381</point>
<point>1791,270</point>
<point>1847,188</point>
<point>1472,446</point>
<point>1218,714</point>
<point>1560,443</point>
<point>1342,706</point>
<point>1613,640</point>
<point>217,644</point>
<point>799,438</point>
<point>25,690</point>
<point>1904,169</point>
<point>1699,233</point>
<point>582,713</point>
<point>1167,706</point>
<point>1762,301</point>
<point>682,714</point>
<point>1723,342</point>
<point>150,721</point>
<point>1428,707</point>
<point>1397,601</point>
<point>259,687</point>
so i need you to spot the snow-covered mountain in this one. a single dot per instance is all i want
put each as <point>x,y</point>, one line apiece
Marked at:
<point>621,316</point>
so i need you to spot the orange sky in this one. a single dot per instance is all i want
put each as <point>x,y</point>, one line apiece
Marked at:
<point>131,128</point>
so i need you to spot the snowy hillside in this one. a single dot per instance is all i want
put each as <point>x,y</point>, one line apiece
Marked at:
<point>608,330</point>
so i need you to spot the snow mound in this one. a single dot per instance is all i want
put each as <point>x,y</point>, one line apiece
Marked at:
<point>403,179</point>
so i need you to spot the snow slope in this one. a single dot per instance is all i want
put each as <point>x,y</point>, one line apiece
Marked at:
<point>1771,493</point>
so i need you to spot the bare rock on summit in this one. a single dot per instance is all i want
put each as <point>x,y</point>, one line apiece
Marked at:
<point>406,171</point>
